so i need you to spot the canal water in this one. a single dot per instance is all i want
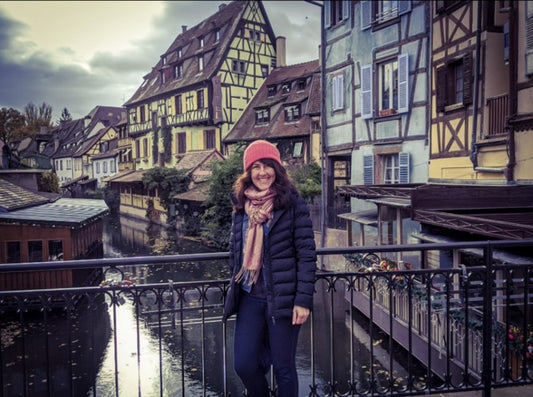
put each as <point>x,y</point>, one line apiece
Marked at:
<point>137,360</point>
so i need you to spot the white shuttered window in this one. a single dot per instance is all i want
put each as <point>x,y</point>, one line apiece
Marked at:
<point>337,91</point>
<point>366,91</point>
<point>403,83</point>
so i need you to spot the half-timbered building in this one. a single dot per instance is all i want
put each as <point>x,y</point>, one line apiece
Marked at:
<point>480,144</point>
<point>482,88</point>
<point>125,161</point>
<point>73,143</point>
<point>105,163</point>
<point>377,100</point>
<point>201,84</point>
<point>481,122</point>
<point>286,112</point>
<point>480,130</point>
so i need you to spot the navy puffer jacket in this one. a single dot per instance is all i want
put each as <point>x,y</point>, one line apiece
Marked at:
<point>289,260</point>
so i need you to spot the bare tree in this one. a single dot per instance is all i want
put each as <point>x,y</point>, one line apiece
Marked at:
<point>37,117</point>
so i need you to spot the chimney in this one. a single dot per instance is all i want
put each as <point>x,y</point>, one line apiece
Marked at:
<point>280,52</point>
<point>183,28</point>
<point>221,6</point>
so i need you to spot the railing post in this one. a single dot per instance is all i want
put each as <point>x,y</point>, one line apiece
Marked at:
<point>487,322</point>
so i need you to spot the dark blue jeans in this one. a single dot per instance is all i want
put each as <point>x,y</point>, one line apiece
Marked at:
<point>260,342</point>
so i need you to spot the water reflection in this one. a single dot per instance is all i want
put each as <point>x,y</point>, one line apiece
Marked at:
<point>53,353</point>
<point>184,354</point>
<point>148,355</point>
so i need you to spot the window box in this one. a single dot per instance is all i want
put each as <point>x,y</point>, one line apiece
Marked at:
<point>387,112</point>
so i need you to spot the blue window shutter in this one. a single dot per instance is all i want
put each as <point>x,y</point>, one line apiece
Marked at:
<point>403,83</point>
<point>327,14</point>
<point>404,167</point>
<point>366,91</point>
<point>366,14</point>
<point>368,170</point>
<point>346,9</point>
<point>404,6</point>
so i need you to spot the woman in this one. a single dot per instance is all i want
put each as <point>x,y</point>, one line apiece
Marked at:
<point>272,262</point>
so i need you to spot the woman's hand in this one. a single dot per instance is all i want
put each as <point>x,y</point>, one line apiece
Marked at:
<point>299,315</point>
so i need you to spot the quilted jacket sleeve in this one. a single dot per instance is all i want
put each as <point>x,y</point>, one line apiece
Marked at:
<point>305,249</point>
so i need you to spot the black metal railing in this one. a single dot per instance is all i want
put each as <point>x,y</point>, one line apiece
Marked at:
<point>376,329</point>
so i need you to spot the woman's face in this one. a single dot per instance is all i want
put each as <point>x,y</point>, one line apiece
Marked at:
<point>262,175</point>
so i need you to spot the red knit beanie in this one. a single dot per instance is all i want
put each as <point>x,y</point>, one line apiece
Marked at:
<point>258,150</point>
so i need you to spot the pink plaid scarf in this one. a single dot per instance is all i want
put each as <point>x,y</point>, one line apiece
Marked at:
<point>259,207</point>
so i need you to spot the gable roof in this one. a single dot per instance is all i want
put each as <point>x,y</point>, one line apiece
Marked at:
<point>88,143</point>
<point>111,152</point>
<point>195,158</point>
<point>71,136</point>
<point>197,193</point>
<point>246,129</point>
<point>227,22</point>
<point>126,176</point>
<point>13,197</point>
<point>62,133</point>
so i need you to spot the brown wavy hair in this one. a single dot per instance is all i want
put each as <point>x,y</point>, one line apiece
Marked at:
<point>283,186</point>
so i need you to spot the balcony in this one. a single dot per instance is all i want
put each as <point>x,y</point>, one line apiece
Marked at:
<point>498,111</point>
<point>454,329</point>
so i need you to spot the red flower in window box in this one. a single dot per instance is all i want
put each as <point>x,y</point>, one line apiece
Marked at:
<point>387,112</point>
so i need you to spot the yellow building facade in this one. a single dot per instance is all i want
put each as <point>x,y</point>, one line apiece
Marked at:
<point>482,91</point>
<point>201,85</point>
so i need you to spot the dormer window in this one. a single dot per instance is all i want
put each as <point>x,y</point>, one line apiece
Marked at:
<point>163,78</point>
<point>178,71</point>
<point>217,35</point>
<point>104,146</point>
<point>286,88</point>
<point>292,113</point>
<point>272,90</point>
<point>262,116</point>
<point>178,52</point>
<point>201,40</point>
<point>301,84</point>
<point>164,60</point>
<point>200,63</point>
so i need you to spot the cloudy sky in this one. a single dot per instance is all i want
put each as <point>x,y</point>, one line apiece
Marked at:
<point>79,54</point>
